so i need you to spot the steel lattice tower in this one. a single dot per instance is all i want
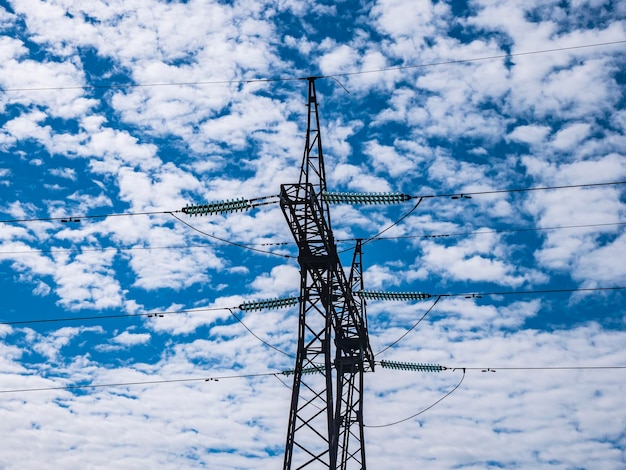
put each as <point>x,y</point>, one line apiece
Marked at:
<point>323,433</point>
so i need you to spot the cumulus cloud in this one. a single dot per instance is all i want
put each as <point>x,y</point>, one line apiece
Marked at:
<point>479,259</point>
<point>127,338</point>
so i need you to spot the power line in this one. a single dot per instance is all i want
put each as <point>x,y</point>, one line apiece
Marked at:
<point>121,86</point>
<point>102,249</point>
<point>476,59</point>
<point>104,317</point>
<point>207,309</point>
<point>230,309</point>
<point>490,369</point>
<point>237,244</point>
<point>519,190</point>
<point>259,338</point>
<point>140,382</point>
<point>474,295</point>
<point>172,213</point>
<point>68,219</point>
<point>152,315</point>
<point>547,368</point>
<point>410,329</point>
<point>395,223</point>
<point>339,240</point>
<point>421,411</point>
<point>74,219</point>
<point>468,195</point>
<point>486,232</point>
<point>533,292</point>
<point>332,76</point>
<point>217,378</point>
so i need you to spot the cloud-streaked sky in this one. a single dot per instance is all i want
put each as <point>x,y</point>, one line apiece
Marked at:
<point>116,113</point>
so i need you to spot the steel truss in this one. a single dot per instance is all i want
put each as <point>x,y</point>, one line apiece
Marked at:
<point>323,433</point>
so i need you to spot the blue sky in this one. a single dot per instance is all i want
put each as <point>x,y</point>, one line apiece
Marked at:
<point>117,113</point>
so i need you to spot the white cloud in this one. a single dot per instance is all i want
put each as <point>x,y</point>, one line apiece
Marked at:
<point>50,345</point>
<point>20,74</point>
<point>531,134</point>
<point>454,173</point>
<point>127,338</point>
<point>281,280</point>
<point>386,158</point>
<point>172,268</point>
<point>357,179</point>
<point>603,265</point>
<point>42,289</point>
<point>67,173</point>
<point>27,126</point>
<point>571,136</point>
<point>339,59</point>
<point>408,23</point>
<point>87,281</point>
<point>480,258</point>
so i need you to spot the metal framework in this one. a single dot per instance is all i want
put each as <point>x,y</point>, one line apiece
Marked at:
<point>323,433</point>
<point>353,358</point>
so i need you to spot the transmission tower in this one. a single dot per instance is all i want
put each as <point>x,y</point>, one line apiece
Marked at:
<point>323,433</point>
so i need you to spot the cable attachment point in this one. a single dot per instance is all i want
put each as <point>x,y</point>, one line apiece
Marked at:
<point>461,196</point>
